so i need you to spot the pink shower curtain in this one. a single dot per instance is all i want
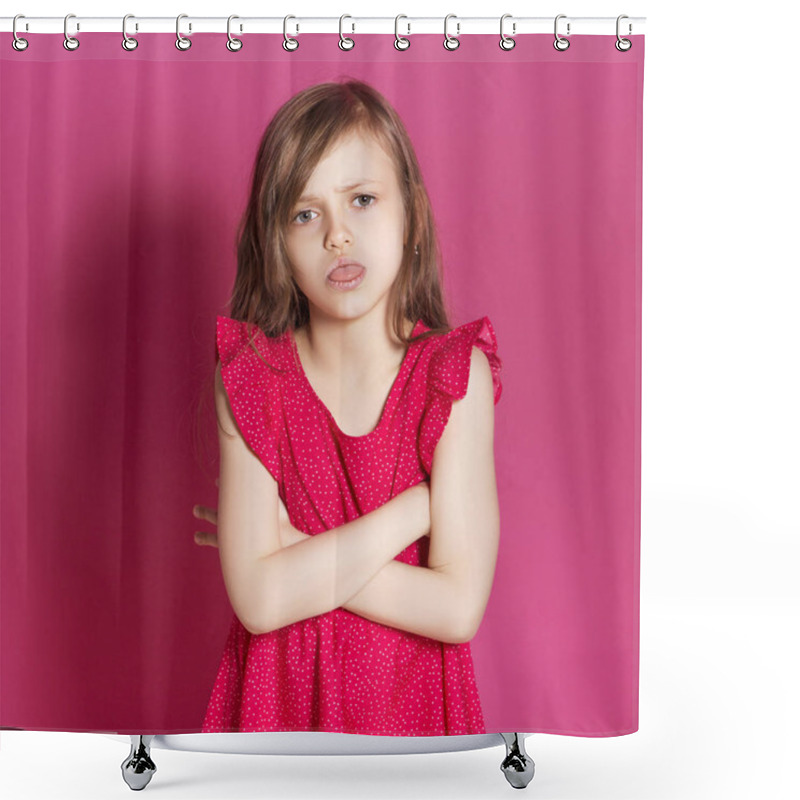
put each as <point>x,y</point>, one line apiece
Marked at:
<point>124,175</point>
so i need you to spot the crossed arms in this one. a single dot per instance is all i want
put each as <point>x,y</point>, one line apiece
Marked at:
<point>275,579</point>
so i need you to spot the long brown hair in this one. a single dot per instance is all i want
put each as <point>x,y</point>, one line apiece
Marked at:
<point>302,131</point>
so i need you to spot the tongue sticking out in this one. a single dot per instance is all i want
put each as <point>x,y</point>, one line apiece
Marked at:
<point>345,273</point>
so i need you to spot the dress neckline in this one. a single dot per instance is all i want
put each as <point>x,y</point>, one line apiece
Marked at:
<point>396,384</point>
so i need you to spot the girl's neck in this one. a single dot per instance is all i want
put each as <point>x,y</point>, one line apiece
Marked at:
<point>354,350</point>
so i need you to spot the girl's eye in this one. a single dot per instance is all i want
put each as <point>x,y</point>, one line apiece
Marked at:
<point>371,197</point>
<point>357,197</point>
<point>301,214</point>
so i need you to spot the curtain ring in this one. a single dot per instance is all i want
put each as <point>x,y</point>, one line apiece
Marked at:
<point>561,43</point>
<point>18,42</point>
<point>182,43</point>
<point>289,42</point>
<point>70,42</point>
<point>128,42</point>
<point>345,43</point>
<point>400,42</point>
<point>623,45</point>
<point>233,44</point>
<point>451,42</point>
<point>506,42</point>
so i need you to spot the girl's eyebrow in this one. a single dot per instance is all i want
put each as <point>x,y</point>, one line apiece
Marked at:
<point>363,182</point>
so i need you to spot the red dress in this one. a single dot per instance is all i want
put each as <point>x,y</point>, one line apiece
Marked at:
<point>338,671</point>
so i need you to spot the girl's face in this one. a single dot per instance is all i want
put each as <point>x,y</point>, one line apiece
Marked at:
<point>350,208</point>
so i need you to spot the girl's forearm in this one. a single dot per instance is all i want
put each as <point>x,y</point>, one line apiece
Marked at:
<point>416,599</point>
<point>412,598</point>
<point>324,571</point>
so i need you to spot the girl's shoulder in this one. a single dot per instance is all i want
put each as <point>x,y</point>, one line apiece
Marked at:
<point>249,361</point>
<point>244,349</point>
<point>448,378</point>
<point>451,356</point>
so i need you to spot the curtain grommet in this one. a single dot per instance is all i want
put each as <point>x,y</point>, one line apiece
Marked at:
<point>507,42</point>
<point>623,45</point>
<point>129,43</point>
<point>560,42</point>
<point>401,42</point>
<point>182,42</point>
<point>345,42</point>
<point>290,43</point>
<point>451,42</point>
<point>70,42</point>
<point>17,42</point>
<point>233,44</point>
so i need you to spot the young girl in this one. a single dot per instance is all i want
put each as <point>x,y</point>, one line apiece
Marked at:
<point>358,566</point>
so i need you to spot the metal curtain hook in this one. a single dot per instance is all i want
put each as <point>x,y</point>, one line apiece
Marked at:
<point>506,42</point>
<point>128,42</point>
<point>182,43</point>
<point>345,43</point>
<point>560,42</point>
<point>289,42</point>
<point>70,42</point>
<point>400,42</point>
<point>623,45</point>
<point>233,44</point>
<point>18,42</point>
<point>451,42</point>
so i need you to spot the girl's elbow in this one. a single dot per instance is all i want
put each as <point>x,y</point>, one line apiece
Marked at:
<point>253,617</point>
<point>256,617</point>
<point>249,621</point>
<point>244,607</point>
<point>262,621</point>
<point>258,626</point>
<point>467,611</point>
<point>465,631</point>
<point>469,620</point>
<point>255,630</point>
<point>461,627</point>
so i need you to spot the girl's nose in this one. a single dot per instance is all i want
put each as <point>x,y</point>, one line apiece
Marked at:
<point>339,235</point>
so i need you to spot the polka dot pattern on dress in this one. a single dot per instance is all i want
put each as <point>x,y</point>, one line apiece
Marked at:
<point>338,671</point>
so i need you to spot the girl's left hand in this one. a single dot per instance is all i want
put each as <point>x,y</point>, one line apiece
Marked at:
<point>209,515</point>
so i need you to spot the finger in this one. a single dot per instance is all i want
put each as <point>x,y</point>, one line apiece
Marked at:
<point>206,513</point>
<point>206,539</point>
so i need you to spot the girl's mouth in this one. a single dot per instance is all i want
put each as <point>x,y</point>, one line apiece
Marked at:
<point>344,278</point>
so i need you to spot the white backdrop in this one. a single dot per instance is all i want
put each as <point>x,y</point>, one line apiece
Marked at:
<point>720,437</point>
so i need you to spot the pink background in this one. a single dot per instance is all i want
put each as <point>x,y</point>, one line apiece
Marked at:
<point>123,179</point>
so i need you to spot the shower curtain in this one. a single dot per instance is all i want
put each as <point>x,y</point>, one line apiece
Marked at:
<point>124,176</point>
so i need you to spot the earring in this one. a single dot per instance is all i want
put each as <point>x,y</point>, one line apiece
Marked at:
<point>416,249</point>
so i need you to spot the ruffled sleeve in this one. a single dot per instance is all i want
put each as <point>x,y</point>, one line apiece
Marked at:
<point>251,386</point>
<point>448,379</point>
